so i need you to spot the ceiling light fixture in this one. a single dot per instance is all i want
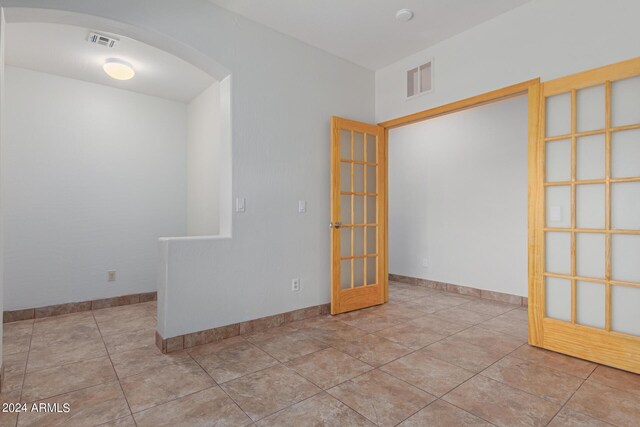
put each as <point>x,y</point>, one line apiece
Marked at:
<point>118,69</point>
<point>404,15</point>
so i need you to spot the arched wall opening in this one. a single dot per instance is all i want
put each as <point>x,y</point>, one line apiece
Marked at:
<point>94,173</point>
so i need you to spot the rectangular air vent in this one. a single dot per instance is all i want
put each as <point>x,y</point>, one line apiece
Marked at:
<point>420,80</point>
<point>102,40</point>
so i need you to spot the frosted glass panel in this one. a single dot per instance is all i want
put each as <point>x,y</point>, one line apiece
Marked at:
<point>358,178</point>
<point>371,148</point>
<point>558,114</point>
<point>590,108</point>
<point>371,271</point>
<point>358,209</point>
<point>590,253</point>
<point>625,205</point>
<point>558,206</point>
<point>371,179</point>
<point>558,161</point>
<point>371,240</point>
<point>345,209</point>
<point>625,154</point>
<point>345,274</point>
<point>590,206</point>
<point>625,102</point>
<point>358,146</point>
<point>358,241</point>
<point>590,304</point>
<point>590,157</point>
<point>558,298</point>
<point>371,210</point>
<point>345,176</point>
<point>625,257</point>
<point>358,272</point>
<point>625,312</point>
<point>345,241</point>
<point>345,144</point>
<point>558,253</point>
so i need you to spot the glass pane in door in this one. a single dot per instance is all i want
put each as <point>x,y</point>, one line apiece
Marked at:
<point>590,304</point>
<point>558,298</point>
<point>625,315</point>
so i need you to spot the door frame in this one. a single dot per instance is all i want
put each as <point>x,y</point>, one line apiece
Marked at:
<point>531,88</point>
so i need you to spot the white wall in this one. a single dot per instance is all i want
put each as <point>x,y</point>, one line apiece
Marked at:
<point>2,71</point>
<point>543,38</point>
<point>92,176</point>
<point>283,93</point>
<point>204,140</point>
<point>458,197</point>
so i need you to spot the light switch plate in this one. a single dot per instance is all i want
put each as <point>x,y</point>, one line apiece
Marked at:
<point>240,204</point>
<point>302,206</point>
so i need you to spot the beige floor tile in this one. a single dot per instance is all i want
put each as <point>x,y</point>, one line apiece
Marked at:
<point>520,314</point>
<point>498,341</point>
<point>16,344</point>
<point>381,398</point>
<point>119,325</point>
<point>493,308</point>
<point>569,365</point>
<point>442,299</point>
<point>431,375</point>
<point>329,367</point>
<point>605,403</point>
<point>120,422</point>
<point>9,418</point>
<point>130,340</point>
<point>330,332</point>
<point>48,354</point>
<point>401,312</point>
<point>441,413</point>
<point>284,343</point>
<point>439,325</point>
<point>460,314</point>
<point>411,335</point>
<point>66,378</point>
<point>160,385</point>
<point>465,354</point>
<point>508,326</point>
<point>535,379</point>
<point>138,360</point>
<point>265,392</point>
<point>569,418</point>
<point>369,322</point>
<point>15,366</point>
<point>12,329</point>
<point>231,359</point>
<point>75,326</point>
<point>319,410</point>
<point>373,350</point>
<point>622,380</point>
<point>89,406</point>
<point>207,407</point>
<point>502,405</point>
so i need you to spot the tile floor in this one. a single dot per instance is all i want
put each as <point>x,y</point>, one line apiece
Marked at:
<point>426,358</point>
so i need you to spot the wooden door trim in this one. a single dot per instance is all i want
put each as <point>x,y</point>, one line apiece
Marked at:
<point>463,104</point>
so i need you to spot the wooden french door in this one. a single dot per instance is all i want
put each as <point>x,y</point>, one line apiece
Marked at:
<point>358,215</point>
<point>584,296</point>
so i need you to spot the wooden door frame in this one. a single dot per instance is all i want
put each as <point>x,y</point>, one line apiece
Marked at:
<point>531,88</point>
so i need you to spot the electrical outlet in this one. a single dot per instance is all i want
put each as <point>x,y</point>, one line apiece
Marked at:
<point>424,263</point>
<point>111,276</point>
<point>295,285</point>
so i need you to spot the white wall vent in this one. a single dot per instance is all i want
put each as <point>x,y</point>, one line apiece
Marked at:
<point>420,79</point>
<point>102,40</point>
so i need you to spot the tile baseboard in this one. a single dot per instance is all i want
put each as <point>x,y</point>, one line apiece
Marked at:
<point>168,345</point>
<point>461,290</point>
<point>76,307</point>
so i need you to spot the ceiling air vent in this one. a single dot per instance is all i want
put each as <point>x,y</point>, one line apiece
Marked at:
<point>102,40</point>
<point>420,79</point>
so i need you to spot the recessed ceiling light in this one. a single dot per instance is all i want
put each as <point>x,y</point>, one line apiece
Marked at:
<point>404,15</point>
<point>118,69</point>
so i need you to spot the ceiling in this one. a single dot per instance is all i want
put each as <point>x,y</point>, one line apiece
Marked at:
<point>366,31</point>
<point>63,50</point>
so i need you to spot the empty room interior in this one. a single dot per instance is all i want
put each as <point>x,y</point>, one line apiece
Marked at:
<point>320,213</point>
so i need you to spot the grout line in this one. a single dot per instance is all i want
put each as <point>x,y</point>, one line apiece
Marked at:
<point>114,369</point>
<point>26,365</point>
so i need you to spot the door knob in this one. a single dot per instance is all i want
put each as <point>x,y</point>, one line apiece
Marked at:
<point>335,225</point>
